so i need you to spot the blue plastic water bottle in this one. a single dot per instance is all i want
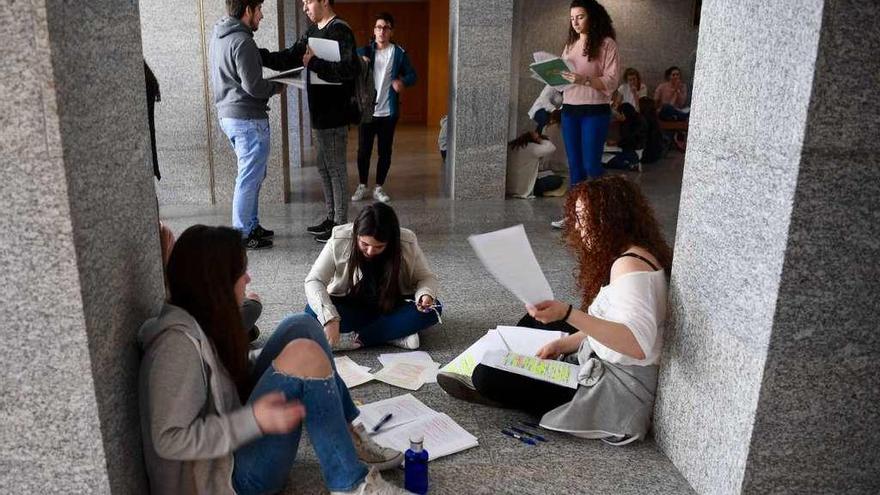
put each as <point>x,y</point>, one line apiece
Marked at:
<point>415,477</point>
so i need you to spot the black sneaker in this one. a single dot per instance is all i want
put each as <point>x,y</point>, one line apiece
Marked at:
<point>461,387</point>
<point>322,227</point>
<point>323,237</point>
<point>252,242</point>
<point>262,233</point>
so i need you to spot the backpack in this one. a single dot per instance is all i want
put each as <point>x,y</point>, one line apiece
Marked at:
<point>363,97</point>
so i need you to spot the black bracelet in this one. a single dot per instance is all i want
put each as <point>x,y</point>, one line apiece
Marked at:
<point>567,314</point>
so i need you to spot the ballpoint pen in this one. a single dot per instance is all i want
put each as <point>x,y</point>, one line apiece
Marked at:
<point>524,432</point>
<point>519,437</point>
<point>381,422</point>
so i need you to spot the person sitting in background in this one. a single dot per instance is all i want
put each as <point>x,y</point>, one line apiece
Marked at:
<point>199,437</point>
<point>632,140</point>
<point>623,265</point>
<point>654,144</point>
<point>371,284</point>
<point>549,100</point>
<point>671,96</point>
<point>631,90</point>
<point>523,160</point>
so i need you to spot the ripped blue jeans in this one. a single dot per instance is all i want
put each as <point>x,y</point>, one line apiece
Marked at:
<point>263,466</point>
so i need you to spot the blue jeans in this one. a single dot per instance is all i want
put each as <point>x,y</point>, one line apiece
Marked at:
<point>263,466</point>
<point>373,327</point>
<point>250,140</point>
<point>584,138</point>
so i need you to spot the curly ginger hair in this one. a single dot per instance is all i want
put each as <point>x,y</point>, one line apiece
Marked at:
<point>615,216</point>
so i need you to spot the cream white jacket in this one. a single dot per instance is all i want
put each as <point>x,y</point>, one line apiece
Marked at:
<point>328,275</point>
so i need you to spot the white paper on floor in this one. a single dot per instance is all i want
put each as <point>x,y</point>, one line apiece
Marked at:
<point>410,376</point>
<point>417,357</point>
<point>352,373</point>
<point>403,409</point>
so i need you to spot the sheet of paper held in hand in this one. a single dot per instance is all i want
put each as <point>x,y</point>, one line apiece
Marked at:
<point>508,256</point>
<point>410,376</point>
<point>325,50</point>
<point>403,408</point>
<point>292,77</point>
<point>352,373</point>
<point>547,370</point>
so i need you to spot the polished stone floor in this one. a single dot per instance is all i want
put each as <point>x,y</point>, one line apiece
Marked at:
<point>473,303</point>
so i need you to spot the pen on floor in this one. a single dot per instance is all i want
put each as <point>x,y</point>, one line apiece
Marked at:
<point>381,422</point>
<point>519,437</point>
<point>524,432</point>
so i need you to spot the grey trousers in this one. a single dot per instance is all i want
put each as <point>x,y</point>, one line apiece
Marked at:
<point>331,144</point>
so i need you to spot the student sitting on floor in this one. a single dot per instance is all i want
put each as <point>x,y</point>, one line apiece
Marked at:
<point>199,437</point>
<point>371,284</point>
<point>623,266</point>
<point>524,156</point>
<point>671,95</point>
<point>632,140</point>
<point>654,144</point>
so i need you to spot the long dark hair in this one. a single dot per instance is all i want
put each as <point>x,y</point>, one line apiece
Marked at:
<point>205,264</point>
<point>378,221</point>
<point>599,27</point>
<point>525,138</point>
<point>616,216</point>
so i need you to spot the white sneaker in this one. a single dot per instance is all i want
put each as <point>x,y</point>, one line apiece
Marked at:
<point>373,484</point>
<point>371,453</point>
<point>347,342</point>
<point>380,195</point>
<point>409,342</point>
<point>360,193</point>
<point>558,224</point>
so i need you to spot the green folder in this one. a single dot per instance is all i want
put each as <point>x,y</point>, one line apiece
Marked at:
<point>549,71</point>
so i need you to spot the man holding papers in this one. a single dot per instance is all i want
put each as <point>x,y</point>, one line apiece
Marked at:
<point>327,51</point>
<point>241,95</point>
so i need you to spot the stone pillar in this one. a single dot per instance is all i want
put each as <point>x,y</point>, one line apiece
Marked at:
<point>79,251</point>
<point>769,378</point>
<point>479,61</point>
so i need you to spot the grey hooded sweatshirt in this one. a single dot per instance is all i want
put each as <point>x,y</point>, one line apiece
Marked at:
<point>240,92</point>
<point>191,418</point>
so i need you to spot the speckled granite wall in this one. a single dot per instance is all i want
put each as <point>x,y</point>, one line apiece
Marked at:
<point>173,47</point>
<point>769,375</point>
<point>651,35</point>
<point>80,254</point>
<point>480,42</point>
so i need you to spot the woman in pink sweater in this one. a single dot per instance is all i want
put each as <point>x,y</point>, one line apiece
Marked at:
<point>586,102</point>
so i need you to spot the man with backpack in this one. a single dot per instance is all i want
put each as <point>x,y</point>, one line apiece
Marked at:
<point>330,89</point>
<point>391,71</point>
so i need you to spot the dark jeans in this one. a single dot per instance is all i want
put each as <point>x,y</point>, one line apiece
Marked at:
<point>670,113</point>
<point>383,129</point>
<point>375,328</point>
<point>535,397</point>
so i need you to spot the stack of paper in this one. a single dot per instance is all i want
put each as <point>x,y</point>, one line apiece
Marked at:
<point>417,357</point>
<point>519,340</point>
<point>352,373</point>
<point>411,418</point>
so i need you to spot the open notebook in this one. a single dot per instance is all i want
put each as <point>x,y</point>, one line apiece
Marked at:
<point>518,340</point>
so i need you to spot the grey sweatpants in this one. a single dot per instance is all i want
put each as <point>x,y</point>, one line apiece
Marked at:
<point>331,144</point>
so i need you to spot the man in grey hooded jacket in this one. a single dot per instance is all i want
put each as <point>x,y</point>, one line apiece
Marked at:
<point>241,96</point>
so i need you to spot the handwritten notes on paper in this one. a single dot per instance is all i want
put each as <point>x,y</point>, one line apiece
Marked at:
<point>410,376</point>
<point>519,340</point>
<point>352,373</point>
<point>403,408</point>
<point>547,370</point>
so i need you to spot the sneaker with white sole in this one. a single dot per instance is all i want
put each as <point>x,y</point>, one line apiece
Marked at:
<point>371,453</point>
<point>558,224</point>
<point>360,193</point>
<point>462,387</point>
<point>373,484</point>
<point>409,342</point>
<point>347,342</point>
<point>380,195</point>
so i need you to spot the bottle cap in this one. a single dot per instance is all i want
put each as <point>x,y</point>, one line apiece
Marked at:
<point>415,443</point>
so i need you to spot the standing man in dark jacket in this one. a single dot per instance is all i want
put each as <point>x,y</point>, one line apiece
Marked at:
<point>392,71</point>
<point>241,96</point>
<point>329,104</point>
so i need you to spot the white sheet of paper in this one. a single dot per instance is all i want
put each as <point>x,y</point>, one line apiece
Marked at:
<point>352,373</point>
<point>464,363</point>
<point>403,409</point>
<point>508,256</point>
<point>522,340</point>
<point>547,370</point>
<point>442,436</point>
<point>404,375</point>
<point>326,50</point>
<point>413,357</point>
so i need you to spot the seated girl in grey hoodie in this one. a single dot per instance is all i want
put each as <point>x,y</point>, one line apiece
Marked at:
<point>199,437</point>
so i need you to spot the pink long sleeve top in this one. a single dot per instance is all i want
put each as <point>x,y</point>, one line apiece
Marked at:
<point>665,94</point>
<point>606,67</point>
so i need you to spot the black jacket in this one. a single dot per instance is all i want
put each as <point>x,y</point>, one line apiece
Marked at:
<point>329,105</point>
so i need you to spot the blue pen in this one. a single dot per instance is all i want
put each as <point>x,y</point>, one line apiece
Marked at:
<point>519,437</point>
<point>524,432</point>
<point>381,422</point>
